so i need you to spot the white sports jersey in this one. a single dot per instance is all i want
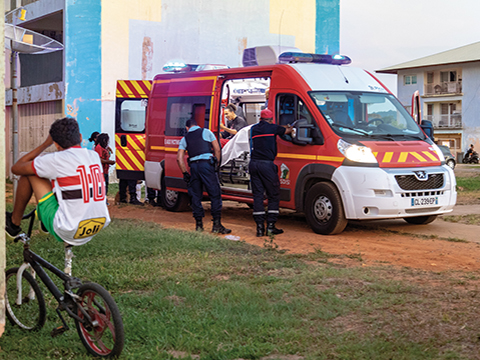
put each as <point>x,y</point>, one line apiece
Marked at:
<point>79,185</point>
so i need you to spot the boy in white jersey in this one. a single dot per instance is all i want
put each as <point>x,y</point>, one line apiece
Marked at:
<point>68,184</point>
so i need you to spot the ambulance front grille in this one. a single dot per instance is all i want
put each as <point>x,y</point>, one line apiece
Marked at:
<point>422,193</point>
<point>410,182</point>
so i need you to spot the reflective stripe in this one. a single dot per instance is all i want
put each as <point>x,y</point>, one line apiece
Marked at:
<point>258,212</point>
<point>273,212</point>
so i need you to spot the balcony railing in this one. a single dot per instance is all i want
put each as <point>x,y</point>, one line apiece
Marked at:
<point>446,121</point>
<point>454,87</point>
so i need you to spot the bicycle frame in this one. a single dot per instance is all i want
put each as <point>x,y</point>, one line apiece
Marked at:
<point>38,264</point>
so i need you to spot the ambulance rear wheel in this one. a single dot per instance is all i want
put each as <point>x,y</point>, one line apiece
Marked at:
<point>420,220</point>
<point>174,200</point>
<point>324,209</point>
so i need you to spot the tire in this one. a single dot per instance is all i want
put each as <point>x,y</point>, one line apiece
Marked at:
<point>107,338</point>
<point>451,164</point>
<point>174,200</point>
<point>324,209</point>
<point>420,220</point>
<point>31,314</point>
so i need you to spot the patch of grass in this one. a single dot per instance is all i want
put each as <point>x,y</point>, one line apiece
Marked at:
<point>357,256</point>
<point>196,294</point>
<point>471,219</point>
<point>466,184</point>
<point>456,240</point>
<point>112,189</point>
<point>468,189</point>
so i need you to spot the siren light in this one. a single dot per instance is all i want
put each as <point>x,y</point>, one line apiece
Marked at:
<point>176,67</point>
<point>180,67</point>
<point>293,57</point>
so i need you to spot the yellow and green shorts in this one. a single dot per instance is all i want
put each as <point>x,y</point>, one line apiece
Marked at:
<point>46,209</point>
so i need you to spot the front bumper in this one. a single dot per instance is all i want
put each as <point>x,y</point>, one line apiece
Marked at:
<point>383,193</point>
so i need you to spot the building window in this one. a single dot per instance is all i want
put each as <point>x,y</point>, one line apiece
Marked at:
<point>430,78</point>
<point>429,109</point>
<point>409,79</point>
<point>448,76</point>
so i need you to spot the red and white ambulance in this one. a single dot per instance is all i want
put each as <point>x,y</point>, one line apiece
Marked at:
<point>356,153</point>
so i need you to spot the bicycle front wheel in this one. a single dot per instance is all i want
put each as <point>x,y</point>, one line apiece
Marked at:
<point>103,336</point>
<point>31,313</point>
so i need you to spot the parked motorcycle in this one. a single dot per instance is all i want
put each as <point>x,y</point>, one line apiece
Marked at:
<point>471,158</point>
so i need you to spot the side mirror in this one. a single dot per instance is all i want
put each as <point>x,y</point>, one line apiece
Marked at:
<point>302,132</point>
<point>427,127</point>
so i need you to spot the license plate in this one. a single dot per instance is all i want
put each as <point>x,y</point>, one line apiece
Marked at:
<point>425,201</point>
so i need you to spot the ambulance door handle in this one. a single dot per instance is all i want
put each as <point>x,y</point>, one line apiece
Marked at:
<point>123,140</point>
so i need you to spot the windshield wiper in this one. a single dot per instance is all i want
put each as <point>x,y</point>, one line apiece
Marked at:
<point>363,132</point>
<point>385,136</point>
<point>393,136</point>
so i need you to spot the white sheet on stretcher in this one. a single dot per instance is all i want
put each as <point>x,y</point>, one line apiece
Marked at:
<point>237,145</point>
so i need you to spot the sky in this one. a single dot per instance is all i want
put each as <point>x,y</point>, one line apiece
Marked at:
<point>379,33</point>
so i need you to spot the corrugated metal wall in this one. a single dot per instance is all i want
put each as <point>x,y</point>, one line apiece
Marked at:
<point>33,126</point>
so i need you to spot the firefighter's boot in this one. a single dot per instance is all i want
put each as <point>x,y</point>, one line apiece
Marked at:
<point>272,230</point>
<point>219,228</point>
<point>198,224</point>
<point>260,229</point>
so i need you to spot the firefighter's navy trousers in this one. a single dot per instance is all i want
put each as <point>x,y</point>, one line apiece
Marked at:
<point>203,174</point>
<point>264,178</point>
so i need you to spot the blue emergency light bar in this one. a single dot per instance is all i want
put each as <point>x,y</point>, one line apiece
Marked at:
<point>293,57</point>
<point>178,67</point>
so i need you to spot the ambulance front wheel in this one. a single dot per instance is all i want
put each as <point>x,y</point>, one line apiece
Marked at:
<point>420,220</point>
<point>324,209</point>
<point>174,200</point>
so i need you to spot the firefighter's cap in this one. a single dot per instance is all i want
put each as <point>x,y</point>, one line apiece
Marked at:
<point>266,114</point>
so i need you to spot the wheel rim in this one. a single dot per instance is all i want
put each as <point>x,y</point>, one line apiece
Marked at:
<point>100,335</point>
<point>323,209</point>
<point>171,197</point>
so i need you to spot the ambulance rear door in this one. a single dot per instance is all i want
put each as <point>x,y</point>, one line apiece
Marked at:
<point>130,110</point>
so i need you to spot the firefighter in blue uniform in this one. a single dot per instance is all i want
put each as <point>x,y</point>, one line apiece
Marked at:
<point>203,164</point>
<point>264,173</point>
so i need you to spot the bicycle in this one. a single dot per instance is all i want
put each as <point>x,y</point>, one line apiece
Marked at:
<point>96,315</point>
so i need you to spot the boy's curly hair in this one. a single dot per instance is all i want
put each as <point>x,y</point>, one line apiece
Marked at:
<point>65,132</point>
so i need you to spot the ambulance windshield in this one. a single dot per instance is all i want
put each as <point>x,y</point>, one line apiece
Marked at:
<point>362,114</point>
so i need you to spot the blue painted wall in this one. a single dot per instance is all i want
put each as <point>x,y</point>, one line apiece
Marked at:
<point>327,32</point>
<point>82,40</point>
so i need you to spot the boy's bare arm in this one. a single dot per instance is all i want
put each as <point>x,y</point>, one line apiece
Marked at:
<point>24,165</point>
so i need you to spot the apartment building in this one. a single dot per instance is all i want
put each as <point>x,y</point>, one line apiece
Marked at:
<point>449,85</point>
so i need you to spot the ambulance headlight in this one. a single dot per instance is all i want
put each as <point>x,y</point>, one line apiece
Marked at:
<point>356,153</point>
<point>439,152</point>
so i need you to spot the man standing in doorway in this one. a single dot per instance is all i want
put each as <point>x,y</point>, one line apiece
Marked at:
<point>203,163</point>
<point>264,173</point>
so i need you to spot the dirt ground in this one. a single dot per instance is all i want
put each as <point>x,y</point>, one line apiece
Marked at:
<point>359,244</point>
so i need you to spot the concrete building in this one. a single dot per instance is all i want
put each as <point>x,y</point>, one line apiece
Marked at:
<point>448,83</point>
<point>108,40</point>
